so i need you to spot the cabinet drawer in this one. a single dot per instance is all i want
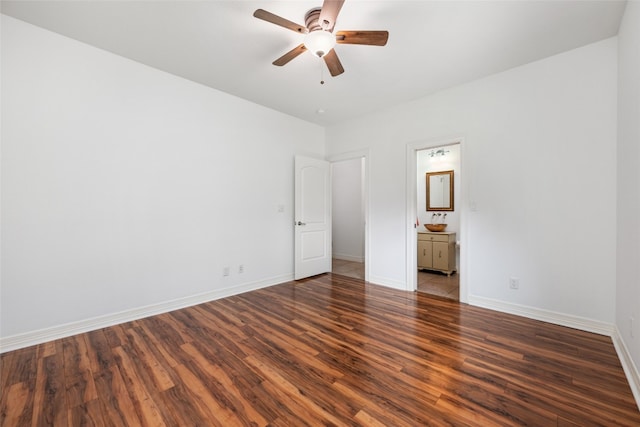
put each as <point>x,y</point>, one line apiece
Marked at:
<point>433,237</point>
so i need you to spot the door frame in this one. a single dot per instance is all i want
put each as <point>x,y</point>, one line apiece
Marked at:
<point>359,154</point>
<point>412,211</point>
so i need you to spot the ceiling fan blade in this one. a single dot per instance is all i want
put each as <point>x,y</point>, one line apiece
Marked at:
<point>275,19</point>
<point>373,38</point>
<point>329,13</point>
<point>333,63</point>
<point>289,55</point>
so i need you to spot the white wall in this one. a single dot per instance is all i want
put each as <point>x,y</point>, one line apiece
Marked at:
<point>127,190</point>
<point>628,195</point>
<point>539,165</point>
<point>348,210</point>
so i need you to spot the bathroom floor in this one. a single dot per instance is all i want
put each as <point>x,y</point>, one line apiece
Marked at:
<point>428,281</point>
<point>440,284</point>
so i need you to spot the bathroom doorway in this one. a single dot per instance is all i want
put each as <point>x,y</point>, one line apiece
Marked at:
<point>438,256</point>
<point>434,258</point>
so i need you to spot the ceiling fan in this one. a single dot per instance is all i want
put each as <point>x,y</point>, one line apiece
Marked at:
<point>320,40</point>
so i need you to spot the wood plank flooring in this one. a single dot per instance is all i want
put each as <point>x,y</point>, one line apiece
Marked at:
<point>329,350</point>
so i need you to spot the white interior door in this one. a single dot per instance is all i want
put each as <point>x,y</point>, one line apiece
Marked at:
<point>312,217</point>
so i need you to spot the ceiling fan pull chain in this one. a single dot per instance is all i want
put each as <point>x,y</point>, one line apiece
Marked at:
<point>321,71</point>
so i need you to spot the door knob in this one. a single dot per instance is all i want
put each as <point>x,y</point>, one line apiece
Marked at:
<point>301,223</point>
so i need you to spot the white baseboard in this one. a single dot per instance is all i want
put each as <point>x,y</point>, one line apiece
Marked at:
<point>27,339</point>
<point>61,331</point>
<point>346,257</point>
<point>390,283</point>
<point>630,369</point>
<point>575,322</point>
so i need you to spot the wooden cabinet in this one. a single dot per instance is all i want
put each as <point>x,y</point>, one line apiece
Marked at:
<point>437,251</point>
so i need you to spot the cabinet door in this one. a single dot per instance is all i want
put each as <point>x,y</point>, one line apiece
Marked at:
<point>441,256</point>
<point>425,254</point>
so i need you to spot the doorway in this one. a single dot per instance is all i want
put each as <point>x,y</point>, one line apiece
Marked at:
<point>432,164</point>
<point>349,210</point>
<point>435,262</point>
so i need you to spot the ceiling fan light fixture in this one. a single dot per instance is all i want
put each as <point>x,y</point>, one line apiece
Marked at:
<point>319,26</point>
<point>319,42</point>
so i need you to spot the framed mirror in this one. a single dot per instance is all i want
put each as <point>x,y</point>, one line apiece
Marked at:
<point>440,191</point>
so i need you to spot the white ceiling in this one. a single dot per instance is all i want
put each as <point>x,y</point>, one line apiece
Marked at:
<point>432,44</point>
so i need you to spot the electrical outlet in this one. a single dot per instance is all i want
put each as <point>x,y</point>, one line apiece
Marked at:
<point>241,268</point>
<point>514,283</point>
<point>225,271</point>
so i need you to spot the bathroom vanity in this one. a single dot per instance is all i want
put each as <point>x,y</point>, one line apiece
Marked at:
<point>437,251</point>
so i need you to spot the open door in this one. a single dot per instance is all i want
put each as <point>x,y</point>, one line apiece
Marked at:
<point>312,217</point>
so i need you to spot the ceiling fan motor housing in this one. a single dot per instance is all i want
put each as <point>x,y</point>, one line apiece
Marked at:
<point>311,19</point>
<point>319,41</point>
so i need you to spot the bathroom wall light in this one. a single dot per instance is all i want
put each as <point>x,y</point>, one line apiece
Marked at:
<point>439,152</point>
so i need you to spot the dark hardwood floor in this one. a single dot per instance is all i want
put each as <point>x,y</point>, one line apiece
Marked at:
<point>329,350</point>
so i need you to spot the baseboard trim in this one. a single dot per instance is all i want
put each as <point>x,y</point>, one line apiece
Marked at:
<point>16,342</point>
<point>575,322</point>
<point>390,283</point>
<point>345,257</point>
<point>630,369</point>
<point>27,339</point>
